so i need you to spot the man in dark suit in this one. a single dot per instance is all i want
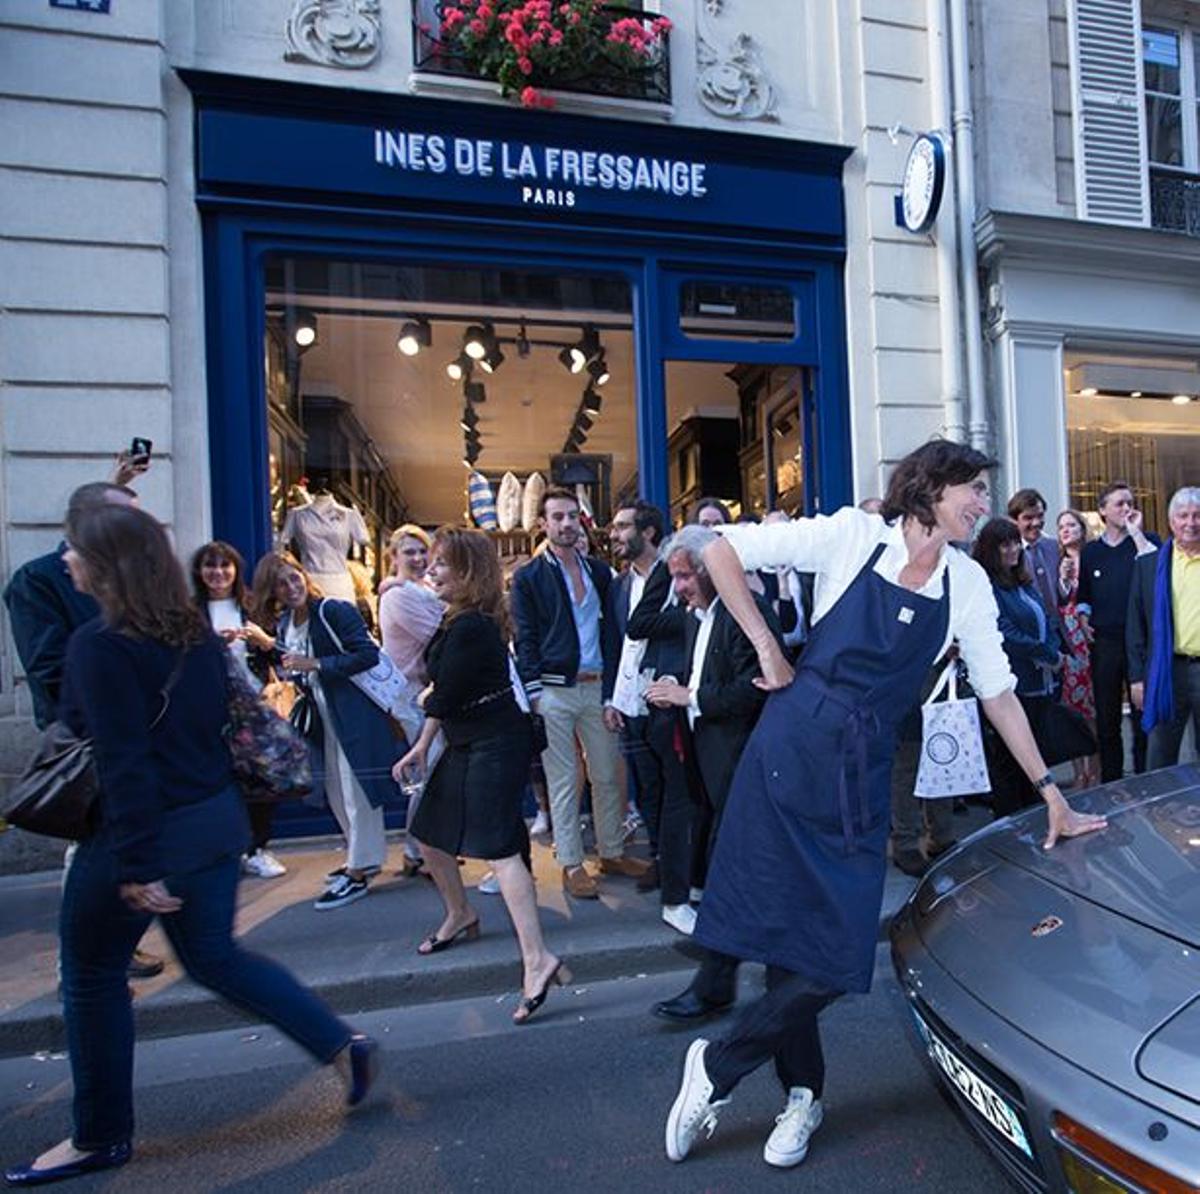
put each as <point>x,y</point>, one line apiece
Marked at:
<point>1027,508</point>
<point>719,697</point>
<point>1162,633</point>
<point>636,533</point>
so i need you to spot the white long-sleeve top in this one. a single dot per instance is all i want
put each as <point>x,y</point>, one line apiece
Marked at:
<point>835,547</point>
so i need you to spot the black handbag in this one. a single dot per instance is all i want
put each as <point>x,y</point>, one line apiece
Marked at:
<point>56,793</point>
<point>1062,734</point>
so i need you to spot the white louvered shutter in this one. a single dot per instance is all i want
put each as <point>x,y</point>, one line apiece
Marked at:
<point>1110,137</point>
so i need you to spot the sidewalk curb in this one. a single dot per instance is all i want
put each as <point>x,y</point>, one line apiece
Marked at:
<point>187,1009</point>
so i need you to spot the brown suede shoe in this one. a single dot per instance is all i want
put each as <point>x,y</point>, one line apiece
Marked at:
<point>632,868</point>
<point>578,883</point>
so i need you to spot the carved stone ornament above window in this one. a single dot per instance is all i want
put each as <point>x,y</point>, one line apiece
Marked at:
<point>730,77</point>
<point>341,33</point>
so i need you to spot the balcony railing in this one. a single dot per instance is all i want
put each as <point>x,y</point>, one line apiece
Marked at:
<point>1175,201</point>
<point>651,83</point>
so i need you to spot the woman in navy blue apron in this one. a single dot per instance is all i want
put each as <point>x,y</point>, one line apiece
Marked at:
<point>797,878</point>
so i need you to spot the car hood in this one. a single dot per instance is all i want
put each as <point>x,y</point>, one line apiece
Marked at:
<point>1090,948</point>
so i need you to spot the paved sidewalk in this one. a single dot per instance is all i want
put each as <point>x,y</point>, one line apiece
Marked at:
<point>360,957</point>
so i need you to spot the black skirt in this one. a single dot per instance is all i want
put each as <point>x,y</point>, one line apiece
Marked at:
<point>472,801</point>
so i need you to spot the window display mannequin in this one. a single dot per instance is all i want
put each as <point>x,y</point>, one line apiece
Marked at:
<point>322,533</point>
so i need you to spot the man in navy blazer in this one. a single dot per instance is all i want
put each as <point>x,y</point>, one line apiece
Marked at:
<point>567,657</point>
<point>1027,508</point>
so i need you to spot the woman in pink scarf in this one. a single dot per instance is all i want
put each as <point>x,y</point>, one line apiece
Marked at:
<point>409,615</point>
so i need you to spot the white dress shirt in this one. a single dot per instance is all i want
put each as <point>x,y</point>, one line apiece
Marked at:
<point>705,617</point>
<point>836,546</point>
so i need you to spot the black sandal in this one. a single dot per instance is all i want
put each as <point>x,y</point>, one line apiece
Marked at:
<point>433,944</point>
<point>530,1003</point>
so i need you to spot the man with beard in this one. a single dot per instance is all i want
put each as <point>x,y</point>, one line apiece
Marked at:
<point>567,656</point>
<point>642,603</point>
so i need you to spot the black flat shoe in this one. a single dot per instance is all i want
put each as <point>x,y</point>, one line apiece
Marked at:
<point>690,1007</point>
<point>364,1062</point>
<point>433,944</point>
<point>530,1003</point>
<point>105,1158</point>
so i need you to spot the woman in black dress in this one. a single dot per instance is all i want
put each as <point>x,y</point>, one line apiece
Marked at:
<point>472,800</point>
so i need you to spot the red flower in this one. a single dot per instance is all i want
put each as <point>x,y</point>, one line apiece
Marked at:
<point>529,97</point>
<point>477,27</point>
<point>525,66</point>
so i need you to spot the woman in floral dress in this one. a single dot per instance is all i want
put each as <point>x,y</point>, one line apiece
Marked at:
<point>1077,638</point>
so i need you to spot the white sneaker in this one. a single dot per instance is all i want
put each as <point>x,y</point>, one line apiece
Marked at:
<point>693,1110</point>
<point>681,917</point>
<point>262,864</point>
<point>489,884</point>
<point>788,1143</point>
<point>540,826</point>
<point>631,825</point>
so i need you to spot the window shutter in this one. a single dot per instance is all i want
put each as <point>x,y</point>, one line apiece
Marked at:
<point>1110,136</point>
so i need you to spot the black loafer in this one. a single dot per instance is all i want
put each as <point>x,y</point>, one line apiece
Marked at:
<point>691,1007</point>
<point>105,1158</point>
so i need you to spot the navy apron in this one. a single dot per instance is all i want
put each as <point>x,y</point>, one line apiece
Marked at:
<point>796,880</point>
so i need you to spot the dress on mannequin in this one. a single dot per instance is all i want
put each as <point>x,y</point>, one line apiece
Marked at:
<point>323,532</point>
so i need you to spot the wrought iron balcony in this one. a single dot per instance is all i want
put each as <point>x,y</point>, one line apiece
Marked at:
<point>600,76</point>
<point>1175,201</point>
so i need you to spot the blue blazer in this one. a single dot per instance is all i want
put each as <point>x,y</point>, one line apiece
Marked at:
<point>366,733</point>
<point>1025,647</point>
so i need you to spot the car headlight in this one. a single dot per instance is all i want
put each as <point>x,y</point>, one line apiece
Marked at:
<point>1094,1165</point>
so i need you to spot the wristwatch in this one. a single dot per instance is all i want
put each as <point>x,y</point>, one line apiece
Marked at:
<point>1045,782</point>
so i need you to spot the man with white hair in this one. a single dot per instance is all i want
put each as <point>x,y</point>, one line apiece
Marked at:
<point>1162,633</point>
<point>720,700</point>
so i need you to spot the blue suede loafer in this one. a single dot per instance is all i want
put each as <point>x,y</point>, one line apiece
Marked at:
<point>364,1061</point>
<point>105,1158</point>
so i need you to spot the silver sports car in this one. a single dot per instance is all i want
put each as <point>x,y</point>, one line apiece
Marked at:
<point>1057,993</point>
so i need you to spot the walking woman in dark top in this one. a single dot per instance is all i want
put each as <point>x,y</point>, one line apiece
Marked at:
<point>219,591</point>
<point>147,683</point>
<point>472,800</point>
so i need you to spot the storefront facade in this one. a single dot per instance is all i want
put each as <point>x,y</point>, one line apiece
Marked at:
<point>181,182</point>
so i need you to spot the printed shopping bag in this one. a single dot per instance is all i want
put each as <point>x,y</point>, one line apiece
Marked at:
<point>952,759</point>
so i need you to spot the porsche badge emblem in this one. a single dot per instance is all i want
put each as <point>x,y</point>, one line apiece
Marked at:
<point>1046,926</point>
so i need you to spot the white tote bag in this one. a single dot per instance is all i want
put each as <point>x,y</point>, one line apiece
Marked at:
<point>384,684</point>
<point>952,758</point>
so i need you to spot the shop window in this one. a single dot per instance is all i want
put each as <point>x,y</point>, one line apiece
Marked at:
<point>711,310</point>
<point>740,433</point>
<point>389,386</point>
<point>1132,421</point>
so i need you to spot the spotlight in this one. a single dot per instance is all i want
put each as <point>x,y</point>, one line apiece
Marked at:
<point>460,368</point>
<point>414,335</point>
<point>584,418</point>
<point>471,454</point>
<point>474,391</point>
<point>472,438</point>
<point>592,401</point>
<point>598,370</point>
<point>492,359</point>
<point>477,339</point>
<point>304,328</point>
<point>566,359</point>
<point>469,420</point>
<point>523,345</point>
<point>586,350</point>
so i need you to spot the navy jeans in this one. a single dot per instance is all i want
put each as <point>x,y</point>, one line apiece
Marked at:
<point>98,934</point>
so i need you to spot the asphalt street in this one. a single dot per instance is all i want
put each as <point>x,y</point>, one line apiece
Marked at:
<point>576,1100</point>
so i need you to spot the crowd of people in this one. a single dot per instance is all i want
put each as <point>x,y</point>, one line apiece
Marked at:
<point>751,690</point>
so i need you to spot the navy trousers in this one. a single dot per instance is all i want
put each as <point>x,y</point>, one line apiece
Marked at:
<point>98,933</point>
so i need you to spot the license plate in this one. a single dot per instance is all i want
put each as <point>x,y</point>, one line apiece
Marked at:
<point>981,1095</point>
